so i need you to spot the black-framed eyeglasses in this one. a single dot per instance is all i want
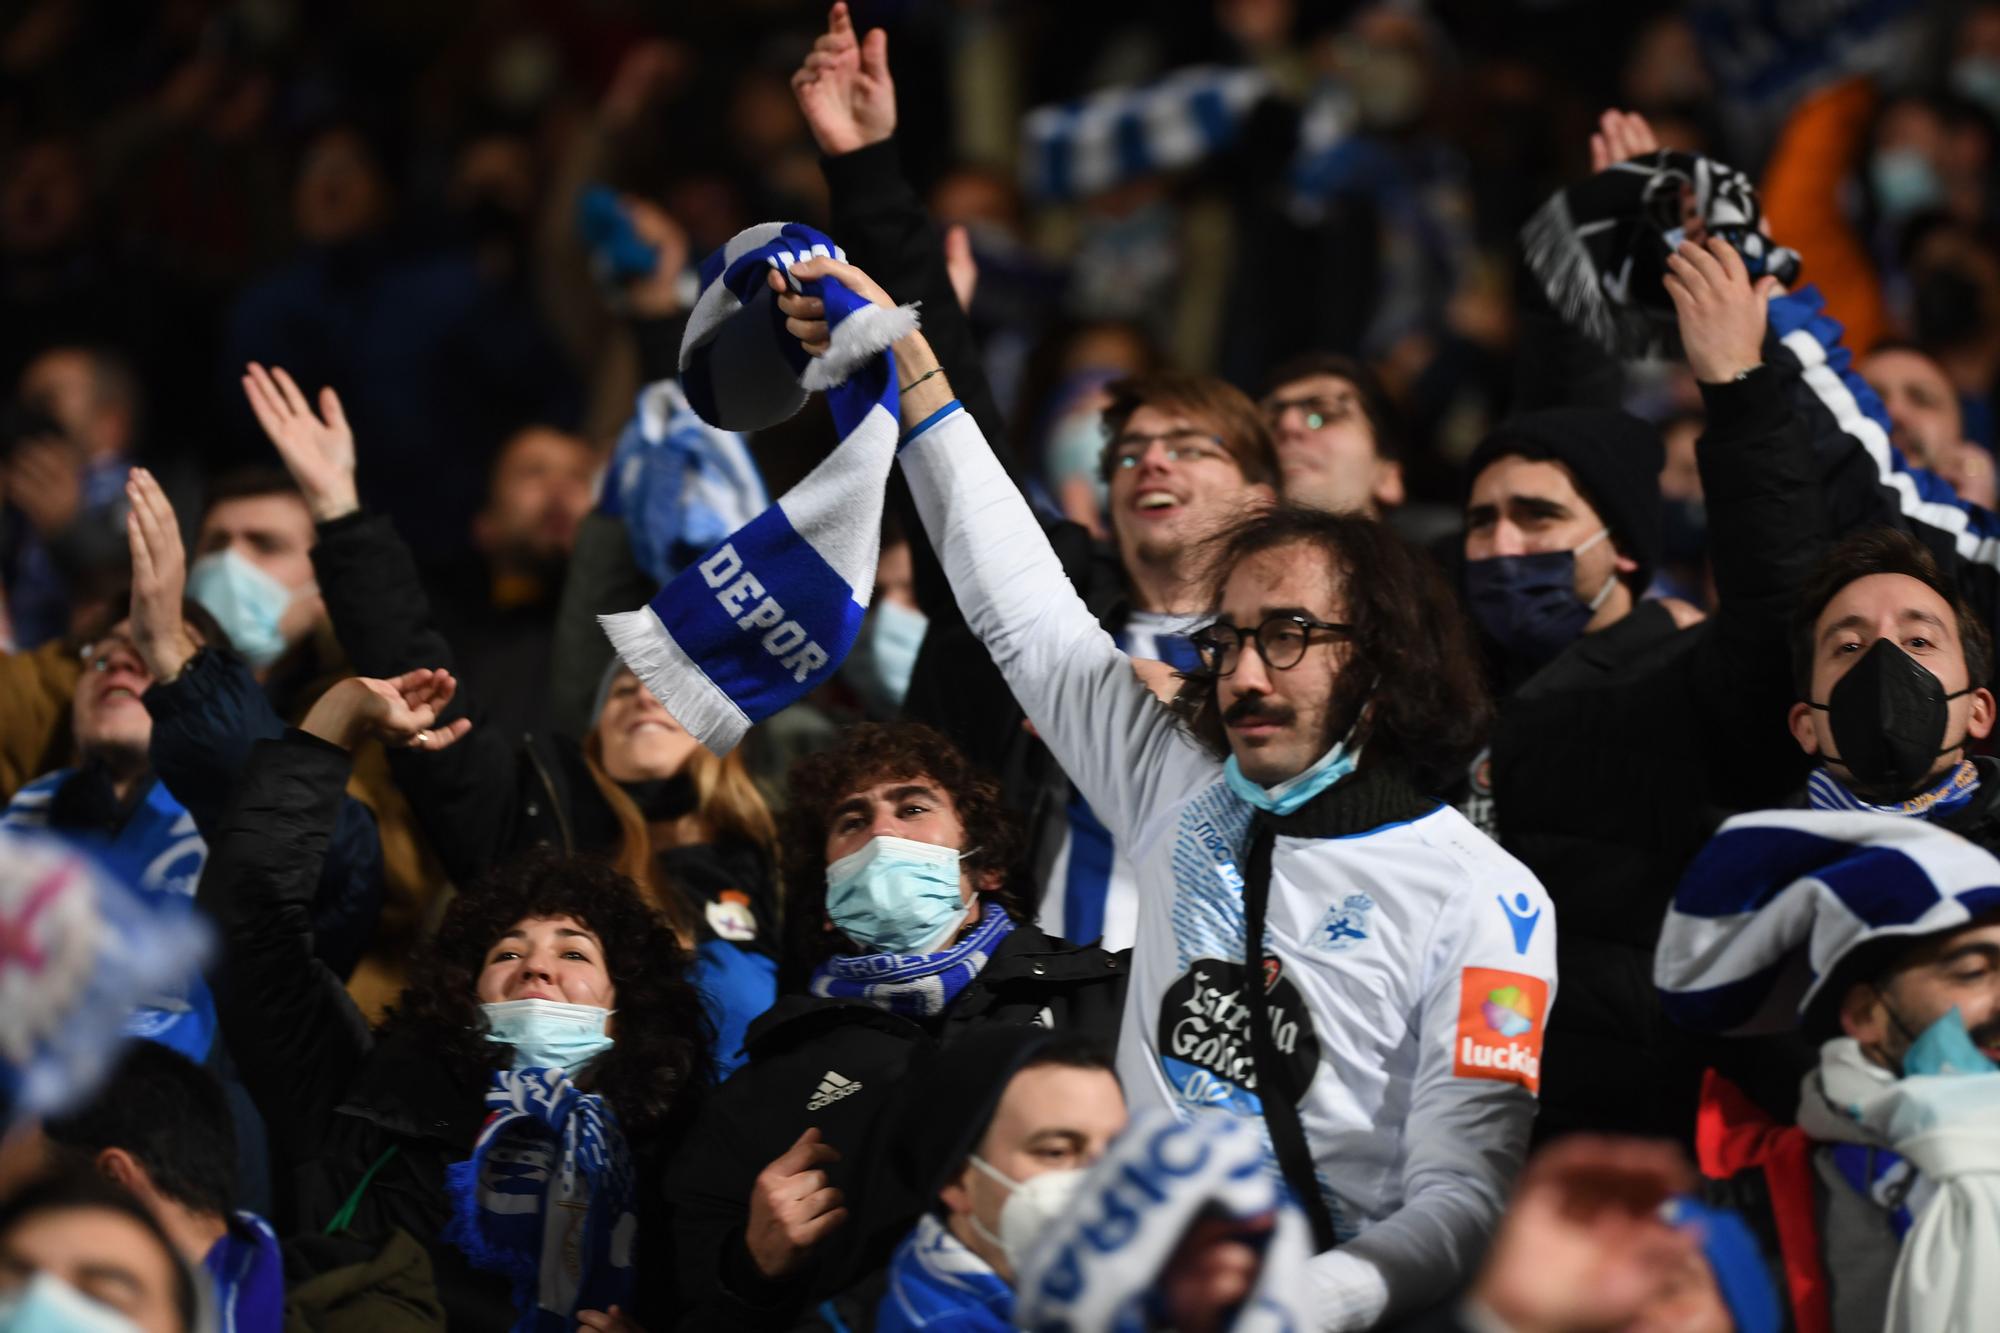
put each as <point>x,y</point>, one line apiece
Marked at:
<point>1281,641</point>
<point>1182,446</point>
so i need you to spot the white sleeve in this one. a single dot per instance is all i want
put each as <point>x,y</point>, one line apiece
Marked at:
<point>1471,1108</point>
<point>1117,742</point>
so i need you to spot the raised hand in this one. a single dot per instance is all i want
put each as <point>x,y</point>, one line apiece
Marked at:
<point>1620,137</point>
<point>613,1320</point>
<point>1722,312</point>
<point>844,88</point>
<point>805,316</point>
<point>400,713</point>
<point>658,294</point>
<point>45,482</point>
<point>159,578</point>
<point>792,1208</point>
<point>318,450</point>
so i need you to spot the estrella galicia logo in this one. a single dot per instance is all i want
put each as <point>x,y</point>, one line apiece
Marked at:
<point>1520,918</point>
<point>1345,924</point>
<point>1204,1035</point>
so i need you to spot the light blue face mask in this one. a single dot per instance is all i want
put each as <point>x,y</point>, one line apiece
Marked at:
<point>885,656</point>
<point>1075,448</point>
<point>1945,1047</point>
<point>1904,182</point>
<point>548,1034</point>
<point>896,896</point>
<point>47,1304</point>
<point>245,601</point>
<point>1295,791</point>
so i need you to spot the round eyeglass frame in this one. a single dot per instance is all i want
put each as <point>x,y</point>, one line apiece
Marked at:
<point>1214,653</point>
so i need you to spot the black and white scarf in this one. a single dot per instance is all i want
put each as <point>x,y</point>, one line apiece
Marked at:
<point>1600,247</point>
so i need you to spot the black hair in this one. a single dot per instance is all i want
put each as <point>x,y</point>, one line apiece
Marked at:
<point>1384,421</point>
<point>62,1191</point>
<point>170,1114</point>
<point>1884,551</point>
<point>249,482</point>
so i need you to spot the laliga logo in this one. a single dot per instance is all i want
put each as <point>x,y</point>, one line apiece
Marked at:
<point>784,638</point>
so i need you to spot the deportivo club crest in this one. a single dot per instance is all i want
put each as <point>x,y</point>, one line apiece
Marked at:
<point>1345,924</point>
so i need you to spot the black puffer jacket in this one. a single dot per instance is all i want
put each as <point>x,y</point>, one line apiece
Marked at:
<point>1613,764</point>
<point>833,1064</point>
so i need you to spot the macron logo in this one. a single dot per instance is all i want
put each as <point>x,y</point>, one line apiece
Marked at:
<point>743,599</point>
<point>832,1087</point>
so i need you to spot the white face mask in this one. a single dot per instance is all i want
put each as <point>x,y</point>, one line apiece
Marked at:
<point>1035,1205</point>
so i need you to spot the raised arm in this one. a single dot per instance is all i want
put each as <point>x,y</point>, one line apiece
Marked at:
<point>294,1033</point>
<point>1118,743</point>
<point>465,798</point>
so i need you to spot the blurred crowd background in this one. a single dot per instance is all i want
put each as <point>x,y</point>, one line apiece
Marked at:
<point>384,197</point>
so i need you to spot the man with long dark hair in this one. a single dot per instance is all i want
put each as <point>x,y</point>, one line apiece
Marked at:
<point>1320,945</point>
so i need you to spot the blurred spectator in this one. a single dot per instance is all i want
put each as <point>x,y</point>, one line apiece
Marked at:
<point>159,1129</point>
<point>77,1252</point>
<point>1925,421</point>
<point>1336,434</point>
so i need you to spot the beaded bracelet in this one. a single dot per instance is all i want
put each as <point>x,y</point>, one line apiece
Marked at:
<point>920,379</point>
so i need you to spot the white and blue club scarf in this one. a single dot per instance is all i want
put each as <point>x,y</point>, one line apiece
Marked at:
<point>915,985</point>
<point>770,612</point>
<point>1777,899</point>
<point>680,484</point>
<point>1075,149</point>
<point>547,1199</point>
<point>1097,1269</point>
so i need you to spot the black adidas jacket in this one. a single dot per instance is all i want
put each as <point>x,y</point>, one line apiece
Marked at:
<point>833,1064</point>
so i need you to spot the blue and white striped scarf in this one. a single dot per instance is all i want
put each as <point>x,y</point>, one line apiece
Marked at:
<point>1082,147</point>
<point>1824,791</point>
<point>547,1198</point>
<point>769,613</point>
<point>936,1282</point>
<point>1777,899</point>
<point>915,985</point>
<point>680,484</point>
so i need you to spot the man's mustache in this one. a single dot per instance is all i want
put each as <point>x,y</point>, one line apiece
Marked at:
<point>1254,708</point>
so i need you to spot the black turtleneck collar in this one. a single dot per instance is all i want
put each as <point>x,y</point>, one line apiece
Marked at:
<point>1363,800</point>
<point>661,799</point>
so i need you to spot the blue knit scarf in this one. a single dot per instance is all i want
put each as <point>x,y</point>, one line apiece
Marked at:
<point>915,985</point>
<point>547,1148</point>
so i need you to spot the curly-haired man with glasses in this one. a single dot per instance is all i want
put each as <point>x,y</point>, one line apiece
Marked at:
<point>1320,946</point>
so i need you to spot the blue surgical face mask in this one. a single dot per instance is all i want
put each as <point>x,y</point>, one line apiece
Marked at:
<point>47,1304</point>
<point>1294,791</point>
<point>885,656</point>
<point>248,603</point>
<point>1528,603</point>
<point>896,896</point>
<point>1904,181</point>
<point>1945,1047</point>
<point>1075,448</point>
<point>548,1034</point>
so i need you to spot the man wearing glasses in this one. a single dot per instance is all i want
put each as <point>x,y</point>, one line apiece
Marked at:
<point>1336,433</point>
<point>1320,947</point>
<point>1184,456</point>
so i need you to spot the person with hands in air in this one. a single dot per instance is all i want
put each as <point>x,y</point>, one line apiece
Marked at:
<point>1194,452</point>
<point>1626,727</point>
<point>689,828</point>
<point>1335,686</point>
<point>553,1013</point>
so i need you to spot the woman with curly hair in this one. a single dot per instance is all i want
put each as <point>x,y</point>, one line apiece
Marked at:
<point>541,1062</point>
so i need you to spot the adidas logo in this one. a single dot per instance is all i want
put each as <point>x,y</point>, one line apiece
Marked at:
<point>832,1087</point>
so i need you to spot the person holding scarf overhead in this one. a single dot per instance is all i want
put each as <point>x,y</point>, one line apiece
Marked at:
<point>547,1050</point>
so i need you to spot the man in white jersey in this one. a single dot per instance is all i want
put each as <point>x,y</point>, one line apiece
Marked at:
<point>1386,1024</point>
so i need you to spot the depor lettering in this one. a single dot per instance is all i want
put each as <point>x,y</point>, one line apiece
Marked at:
<point>742,597</point>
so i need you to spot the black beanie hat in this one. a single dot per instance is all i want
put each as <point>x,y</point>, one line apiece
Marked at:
<point>948,1097</point>
<point>1616,460</point>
